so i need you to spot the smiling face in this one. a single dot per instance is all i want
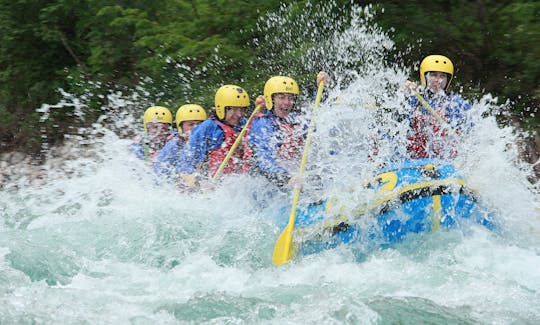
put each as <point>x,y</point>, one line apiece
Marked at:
<point>283,104</point>
<point>233,115</point>
<point>436,81</point>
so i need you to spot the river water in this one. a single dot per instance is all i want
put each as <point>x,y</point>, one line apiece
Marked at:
<point>107,246</point>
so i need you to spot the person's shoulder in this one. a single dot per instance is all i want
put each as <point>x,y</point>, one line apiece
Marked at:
<point>136,147</point>
<point>267,114</point>
<point>209,129</point>
<point>173,140</point>
<point>206,126</point>
<point>137,144</point>
<point>206,123</point>
<point>263,121</point>
<point>261,116</point>
<point>296,118</point>
<point>296,115</point>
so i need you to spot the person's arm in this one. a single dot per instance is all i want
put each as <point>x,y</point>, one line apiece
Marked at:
<point>205,137</point>
<point>457,113</point>
<point>264,143</point>
<point>262,139</point>
<point>166,158</point>
<point>136,148</point>
<point>413,101</point>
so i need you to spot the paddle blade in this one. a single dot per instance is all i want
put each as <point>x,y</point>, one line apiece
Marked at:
<point>282,249</point>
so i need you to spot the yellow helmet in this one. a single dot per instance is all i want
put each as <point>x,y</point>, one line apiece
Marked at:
<point>230,96</point>
<point>438,63</point>
<point>157,114</point>
<point>279,84</point>
<point>189,112</point>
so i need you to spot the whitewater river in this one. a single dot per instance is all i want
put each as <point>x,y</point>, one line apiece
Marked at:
<point>107,246</point>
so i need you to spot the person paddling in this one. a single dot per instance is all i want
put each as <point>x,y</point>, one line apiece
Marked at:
<point>210,141</point>
<point>437,113</point>
<point>157,122</point>
<point>188,116</point>
<point>276,138</point>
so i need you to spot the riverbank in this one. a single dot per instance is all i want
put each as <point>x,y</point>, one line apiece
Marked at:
<point>18,169</point>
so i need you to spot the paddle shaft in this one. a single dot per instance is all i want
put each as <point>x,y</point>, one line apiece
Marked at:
<point>433,112</point>
<point>282,250</point>
<point>235,144</point>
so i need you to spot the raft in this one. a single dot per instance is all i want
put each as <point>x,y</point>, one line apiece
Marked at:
<point>410,197</point>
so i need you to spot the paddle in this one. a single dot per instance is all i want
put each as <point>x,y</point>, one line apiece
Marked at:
<point>282,249</point>
<point>235,144</point>
<point>433,112</point>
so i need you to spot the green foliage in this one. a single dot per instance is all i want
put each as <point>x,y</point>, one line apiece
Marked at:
<point>182,50</point>
<point>28,73</point>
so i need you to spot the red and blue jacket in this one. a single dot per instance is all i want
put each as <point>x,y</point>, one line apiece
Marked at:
<point>428,137</point>
<point>273,143</point>
<point>208,145</point>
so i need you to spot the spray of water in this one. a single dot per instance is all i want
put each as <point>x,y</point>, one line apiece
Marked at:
<point>99,242</point>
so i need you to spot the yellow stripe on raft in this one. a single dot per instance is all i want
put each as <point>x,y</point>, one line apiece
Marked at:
<point>417,186</point>
<point>437,203</point>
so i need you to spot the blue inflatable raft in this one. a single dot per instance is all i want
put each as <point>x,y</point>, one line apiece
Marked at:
<point>414,196</point>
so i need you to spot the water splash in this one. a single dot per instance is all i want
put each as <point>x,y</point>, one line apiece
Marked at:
<point>105,245</point>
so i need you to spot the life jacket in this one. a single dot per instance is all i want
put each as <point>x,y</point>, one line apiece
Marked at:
<point>291,138</point>
<point>216,156</point>
<point>428,138</point>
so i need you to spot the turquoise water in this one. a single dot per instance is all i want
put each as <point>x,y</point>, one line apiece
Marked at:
<point>107,246</point>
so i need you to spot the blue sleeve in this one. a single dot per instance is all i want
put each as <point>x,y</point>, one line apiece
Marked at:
<point>206,136</point>
<point>137,149</point>
<point>456,113</point>
<point>262,138</point>
<point>167,156</point>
